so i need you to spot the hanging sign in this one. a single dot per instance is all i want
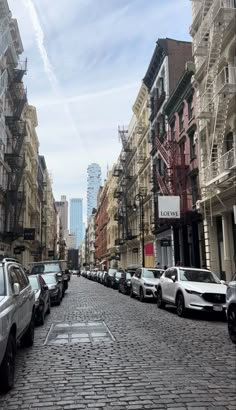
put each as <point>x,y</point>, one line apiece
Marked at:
<point>169,207</point>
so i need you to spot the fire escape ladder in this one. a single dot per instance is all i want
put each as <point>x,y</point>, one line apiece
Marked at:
<point>213,60</point>
<point>4,43</point>
<point>163,152</point>
<point>3,82</point>
<point>219,126</point>
<point>160,180</point>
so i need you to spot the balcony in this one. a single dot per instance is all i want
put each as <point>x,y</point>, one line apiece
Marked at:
<point>117,193</point>
<point>117,172</point>
<point>219,169</point>
<point>226,81</point>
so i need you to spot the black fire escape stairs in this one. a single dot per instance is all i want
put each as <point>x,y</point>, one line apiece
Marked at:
<point>17,127</point>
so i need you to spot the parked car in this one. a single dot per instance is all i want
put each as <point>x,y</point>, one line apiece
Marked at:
<point>114,282</point>
<point>55,287</point>
<point>102,276</point>
<point>57,266</point>
<point>132,268</point>
<point>17,308</point>
<point>42,297</point>
<point>190,288</point>
<point>124,283</point>
<point>108,276</point>
<point>231,308</point>
<point>143,283</point>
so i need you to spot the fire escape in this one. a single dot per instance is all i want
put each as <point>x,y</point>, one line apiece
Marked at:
<point>17,99</point>
<point>213,105</point>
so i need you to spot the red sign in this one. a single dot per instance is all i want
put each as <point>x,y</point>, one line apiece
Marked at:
<point>149,249</point>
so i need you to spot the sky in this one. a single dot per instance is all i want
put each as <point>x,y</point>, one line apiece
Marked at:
<point>86,61</point>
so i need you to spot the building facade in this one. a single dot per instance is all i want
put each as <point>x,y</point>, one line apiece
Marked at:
<point>183,172</point>
<point>165,69</point>
<point>214,44</point>
<point>93,185</point>
<point>62,209</point>
<point>76,219</point>
<point>101,227</point>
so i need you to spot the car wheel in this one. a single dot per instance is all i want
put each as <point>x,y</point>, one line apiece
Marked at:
<point>180,305</point>
<point>42,317</point>
<point>160,303</point>
<point>141,295</point>
<point>119,290</point>
<point>232,323</point>
<point>7,368</point>
<point>131,292</point>
<point>49,307</point>
<point>27,339</point>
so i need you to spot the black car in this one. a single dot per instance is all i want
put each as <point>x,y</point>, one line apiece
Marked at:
<point>108,277</point>
<point>42,298</point>
<point>124,283</point>
<point>115,279</point>
<point>55,287</point>
<point>57,267</point>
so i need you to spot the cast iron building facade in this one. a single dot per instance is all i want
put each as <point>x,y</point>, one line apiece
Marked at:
<point>93,184</point>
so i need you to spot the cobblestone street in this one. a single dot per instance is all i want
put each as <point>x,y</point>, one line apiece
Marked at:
<point>154,359</point>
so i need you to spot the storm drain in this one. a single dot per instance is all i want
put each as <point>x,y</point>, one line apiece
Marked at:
<point>78,332</point>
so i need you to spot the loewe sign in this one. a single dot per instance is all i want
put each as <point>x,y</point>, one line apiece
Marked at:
<point>169,207</point>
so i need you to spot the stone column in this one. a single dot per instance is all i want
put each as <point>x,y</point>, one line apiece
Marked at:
<point>227,241</point>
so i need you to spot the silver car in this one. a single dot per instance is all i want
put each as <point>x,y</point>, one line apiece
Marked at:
<point>17,306</point>
<point>144,282</point>
<point>231,308</point>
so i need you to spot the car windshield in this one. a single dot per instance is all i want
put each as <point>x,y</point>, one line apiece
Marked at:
<point>148,273</point>
<point>2,283</point>
<point>46,268</point>
<point>34,282</point>
<point>198,276</point>
<point>49,279</point>
<point>111,272</point>
<point>118,274</point>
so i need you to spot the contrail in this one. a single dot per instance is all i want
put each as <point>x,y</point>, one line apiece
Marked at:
<point>48,68</point>
<point>40,42</point>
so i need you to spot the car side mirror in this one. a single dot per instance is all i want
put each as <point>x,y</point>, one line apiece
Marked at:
<point>223,282</point>
<point>16,289</point>
<point>45,287</point>
<point>173,278</point>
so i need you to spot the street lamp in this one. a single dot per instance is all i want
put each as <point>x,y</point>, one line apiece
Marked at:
<point>139,197</point>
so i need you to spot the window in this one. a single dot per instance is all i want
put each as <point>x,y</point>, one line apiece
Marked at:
<point>194,186</point>
<point>190,108</point>
<point>192,145</point>
<point>229,141</point>
<point>172,131</point>
<point>12,277</point>
<point>181,120</point>
<point>22,278</point>
<point>162,85</point>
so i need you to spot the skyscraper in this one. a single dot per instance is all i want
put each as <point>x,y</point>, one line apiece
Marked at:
<point>93,184</point>
<point>76,219</point>
<point>62,209</point>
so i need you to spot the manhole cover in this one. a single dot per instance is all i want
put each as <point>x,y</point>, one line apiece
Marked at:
<point>78,332</point>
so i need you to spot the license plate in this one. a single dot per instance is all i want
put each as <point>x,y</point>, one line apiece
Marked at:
<point>218,308</point>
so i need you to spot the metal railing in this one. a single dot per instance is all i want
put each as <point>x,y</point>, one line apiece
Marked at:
<point>218,167</point>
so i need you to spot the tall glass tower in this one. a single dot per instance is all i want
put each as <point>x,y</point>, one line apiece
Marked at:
<point>76,219</point>
<point>93,184</point>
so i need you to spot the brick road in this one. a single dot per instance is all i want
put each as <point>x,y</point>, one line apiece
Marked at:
<point>156,360</point>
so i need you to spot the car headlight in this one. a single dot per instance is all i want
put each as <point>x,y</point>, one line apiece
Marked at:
<point>193,292</point>
<point>148,285</point>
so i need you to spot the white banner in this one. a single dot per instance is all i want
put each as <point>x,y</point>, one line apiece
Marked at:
<point>169,207</point>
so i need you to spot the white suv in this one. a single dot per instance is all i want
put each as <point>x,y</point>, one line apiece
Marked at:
<point>17,305</point>
<point>143,283</point>
<point>190,288</point>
